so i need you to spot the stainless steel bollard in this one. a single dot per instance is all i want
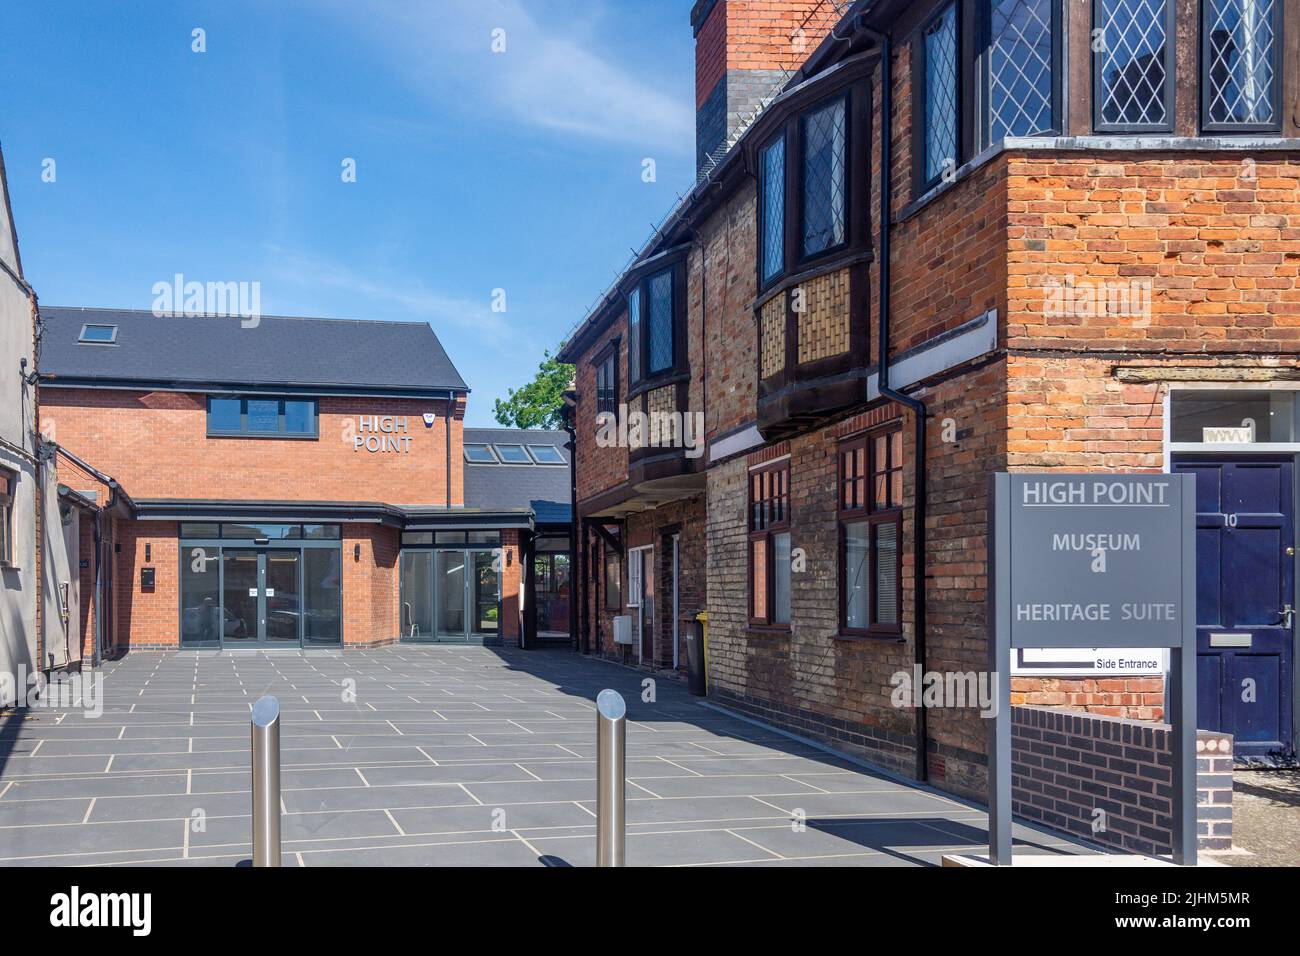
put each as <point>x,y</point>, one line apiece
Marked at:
<point>266,782</point>
<point>611,777</point>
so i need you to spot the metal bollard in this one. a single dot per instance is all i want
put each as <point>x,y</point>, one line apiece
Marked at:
<point>266,782</point>
<point>611,777</point>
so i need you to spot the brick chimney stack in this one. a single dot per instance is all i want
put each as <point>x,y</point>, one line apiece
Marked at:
<point>744,51</point>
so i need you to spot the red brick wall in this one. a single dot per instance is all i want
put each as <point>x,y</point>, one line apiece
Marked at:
<point>599,468</point>
<point>758,35</point>
<point>155,444</point>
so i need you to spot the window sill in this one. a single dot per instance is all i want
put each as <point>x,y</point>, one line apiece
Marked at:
<point>281,435</point>
<point>767,630</point>
<point>872,638</point>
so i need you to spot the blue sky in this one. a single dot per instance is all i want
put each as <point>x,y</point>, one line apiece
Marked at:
<point>476,170</point>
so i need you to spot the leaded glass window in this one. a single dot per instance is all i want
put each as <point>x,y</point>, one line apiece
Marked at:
<point>773,231</point>
<point>940,94</point>
<point>1021,59</point>
<point>823,178</point>
<point>1133,65</point>
<point>660,322</point>
<point>634,335</point>
<point>1240,44</point>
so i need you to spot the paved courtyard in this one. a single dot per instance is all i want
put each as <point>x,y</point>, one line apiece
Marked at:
<point>440,756</point>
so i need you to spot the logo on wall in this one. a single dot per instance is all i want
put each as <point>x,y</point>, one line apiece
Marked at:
<point>382,433</point>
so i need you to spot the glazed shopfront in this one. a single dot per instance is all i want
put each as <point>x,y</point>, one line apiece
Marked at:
<point>248,585</point>
<point>451,586</point>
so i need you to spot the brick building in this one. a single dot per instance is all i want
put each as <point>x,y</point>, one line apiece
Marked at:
<point>1089,263</point>
<point>286,482</point>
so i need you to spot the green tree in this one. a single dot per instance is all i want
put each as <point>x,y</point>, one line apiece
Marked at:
<point>537,404</point>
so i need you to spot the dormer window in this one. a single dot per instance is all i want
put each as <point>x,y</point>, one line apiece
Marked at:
<point>93,334</point>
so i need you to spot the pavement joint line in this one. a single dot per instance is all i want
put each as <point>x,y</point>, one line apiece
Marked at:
<point>760,846</point>
<point>519,765</point>
<point>393,820</point>
<point>90,809</point>
<point>185,845</point>
<point>786,776</point>
<point>362,776</point>
<point>646,789</point>
<point>471,795</point>
<point>585,808</point>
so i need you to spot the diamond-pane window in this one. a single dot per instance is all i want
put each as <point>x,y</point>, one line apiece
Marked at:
<point>941,93</point>
<point>1020,58</point>
<point>1240,44</point>
<point>634,335</point>
<point>773,233</point>
<point>823,178</point>
<point>1132,63</point>
<point>659,318</point>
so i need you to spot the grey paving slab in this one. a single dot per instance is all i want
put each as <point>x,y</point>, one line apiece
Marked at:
<point>451,756</point>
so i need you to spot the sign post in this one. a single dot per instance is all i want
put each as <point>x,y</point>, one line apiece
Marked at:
<point>1094,560</point>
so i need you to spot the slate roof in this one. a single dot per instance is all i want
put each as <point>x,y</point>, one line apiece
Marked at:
<point>283,352</point>
<point>544,488</point>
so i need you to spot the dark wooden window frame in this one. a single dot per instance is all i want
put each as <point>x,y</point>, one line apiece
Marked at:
<point>605,363</point>
<point>763,528</point>
<point>983,67</point>
<point>920,88</point>
<point>856,188</point>
<point>974,34</point>
<point>1171,77</point>
<point>1279,68</point>
<point>638,379</point>
<point>863,509</point>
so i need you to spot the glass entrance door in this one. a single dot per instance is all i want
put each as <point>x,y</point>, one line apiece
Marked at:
<point>450,594</point>
<point>280,596</point>
<point>484,592</point>
<point>240,590</point>
<point>450,582</point>
<point>260,596</point>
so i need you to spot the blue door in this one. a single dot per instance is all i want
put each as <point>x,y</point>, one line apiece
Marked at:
<point>1245,593</point>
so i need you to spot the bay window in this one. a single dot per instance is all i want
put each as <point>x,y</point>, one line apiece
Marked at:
<point>870,519</point>
<point>823,178</point>
<point>655,310</point>
<point>772,229</point>
<point>769,545</point>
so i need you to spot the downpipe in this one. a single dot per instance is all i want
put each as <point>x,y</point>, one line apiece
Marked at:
<point>915,405</point>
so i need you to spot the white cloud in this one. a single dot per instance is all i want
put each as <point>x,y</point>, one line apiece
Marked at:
<point>551,74</point>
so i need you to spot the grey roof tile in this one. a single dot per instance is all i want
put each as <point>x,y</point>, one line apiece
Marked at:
<point>217,350</point>
<point>543,488</point>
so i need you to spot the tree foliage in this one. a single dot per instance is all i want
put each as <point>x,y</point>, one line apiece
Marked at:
<point>537,404</point>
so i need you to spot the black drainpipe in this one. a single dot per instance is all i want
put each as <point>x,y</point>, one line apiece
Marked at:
<point>576,579</point>
<point>449,408</point>
<point>882,378</point>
